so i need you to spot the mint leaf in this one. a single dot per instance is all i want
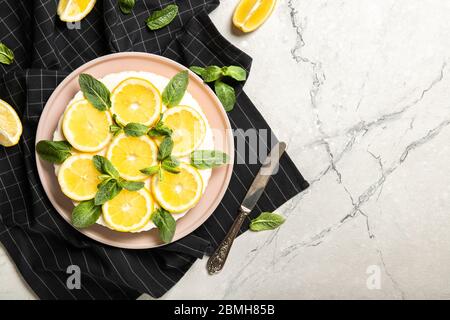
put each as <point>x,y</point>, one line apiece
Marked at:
<point>95,92</point>
<point>104,177</point>
<point>105,166</point>
<point>116,121</point>
<point>85,214</point>
<point>115,130</point>
<point>126,6</point>
<point>235,72</point>
<point>165,148</point>
<point>160,174</point>
<point>150,171</point>
<point>160,129</point>
<point>116,127</point>
<point>133,129</point>
<point>224,92</point>
<point>131,185</point>
<point>197,70</point>
<point>211,73</point>
<point>207,159</point>
<point>159,132</point>
<point>161,18</point>
<point>165,223</point>
<point>171,164</point>
<point>104,181</point>
<point>54,151</point>
<point>6,54</point>
<point>175,89</point>
<point>107,190</point>
<point>266,221</point>
<point>226,95</point>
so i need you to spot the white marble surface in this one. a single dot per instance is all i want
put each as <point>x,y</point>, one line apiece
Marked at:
<point>360,90</point>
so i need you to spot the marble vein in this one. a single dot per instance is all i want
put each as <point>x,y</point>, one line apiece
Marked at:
<point>368,193</point>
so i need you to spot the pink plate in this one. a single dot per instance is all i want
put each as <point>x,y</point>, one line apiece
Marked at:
<point>218,120</point>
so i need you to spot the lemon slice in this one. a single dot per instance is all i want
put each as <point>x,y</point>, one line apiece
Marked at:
<point>178,192</point>
<point>131,154</point>
<point>129,210</point>
<point>189,129</point>
<point>78,177</point>
<point>10,125</point>
<point>74,10</point>
<point>85,127</point>
<point>136,100</point>
<point>250,14</point>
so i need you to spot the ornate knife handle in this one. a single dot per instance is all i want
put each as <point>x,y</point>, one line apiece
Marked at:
<point>218,258</point>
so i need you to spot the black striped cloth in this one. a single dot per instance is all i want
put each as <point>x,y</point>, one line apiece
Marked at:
<point>39,241</point>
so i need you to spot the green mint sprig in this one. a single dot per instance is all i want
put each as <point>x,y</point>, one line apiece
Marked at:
<point>107,190</point>
<point>95,92</point>
<point>150,171</point>
<point>54,151</point>
<point>161,18</point>
<point>197,70</point>
<point>211,73</point>
<point>266,221</point>
<point>235,72</point>
<point>175,89</point>
<point>105,167</point>
<point>134,129</point>
<point>130,185</point>
<point>165,148</point>
<point>116,127</point>
<point>6,54</point>
<point>165,223</point>
<point>226,94</point>
<point>86,213</point>
<point>126,6</point>
<point>160,129</point>
<point>171,165</point>
<point>208,159</point>
<point>112,183</point>
<point>166,161</point>
<point>224,91</point>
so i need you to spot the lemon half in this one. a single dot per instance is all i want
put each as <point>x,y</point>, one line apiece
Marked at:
<point>74,10</point>
<point>10,125</point>
<point>251,14</point>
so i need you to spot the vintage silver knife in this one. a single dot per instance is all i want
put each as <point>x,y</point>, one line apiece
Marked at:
<point>270,165</point>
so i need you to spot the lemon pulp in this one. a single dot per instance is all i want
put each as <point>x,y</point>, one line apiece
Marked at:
<point>178,192</point>
<point>250,14</point>
<point>188,127</point>
<point>131,154</point>
<point>85,127</point>
<point>74,10</point>
<point>136,100</point>
<point>10,125</point>
<point>78,177</point>
<point>129,210</point>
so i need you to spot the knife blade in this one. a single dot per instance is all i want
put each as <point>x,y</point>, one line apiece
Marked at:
<point>270,164</point>
<point>269,167</point>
